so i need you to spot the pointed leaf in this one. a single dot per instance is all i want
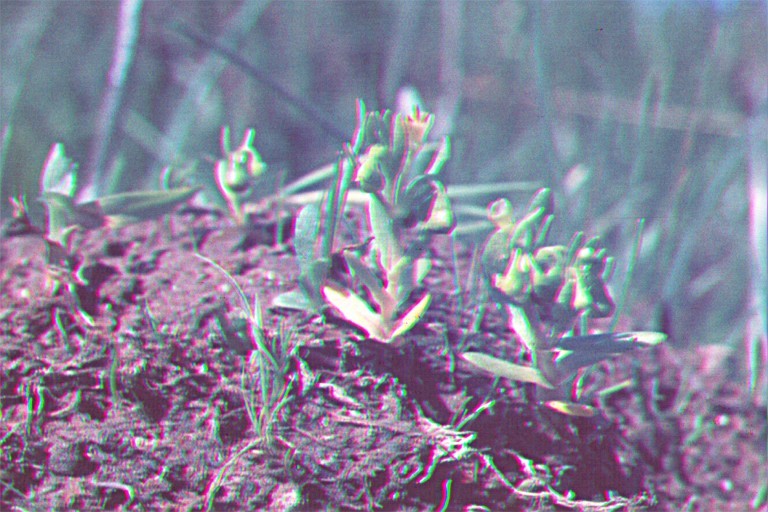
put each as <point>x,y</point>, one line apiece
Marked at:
<point>411,317</point>
<point>610,343</point>
<point>306,234</point>
<point>441,156</point>
<point>580,351</point>
<point>129,207</point>
<point>571,409</point>
<point>506,369</point>
<point>357,311</point>
<point>384,238</point>
<point>368,278</point>
<point>294,299</point>
<point>59,173</point>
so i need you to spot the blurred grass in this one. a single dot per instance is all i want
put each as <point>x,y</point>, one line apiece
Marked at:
<point>626,110</point>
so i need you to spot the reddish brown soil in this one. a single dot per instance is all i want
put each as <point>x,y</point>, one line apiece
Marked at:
<point>144,410</point>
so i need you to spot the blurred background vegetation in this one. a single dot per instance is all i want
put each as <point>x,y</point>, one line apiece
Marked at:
<point>628,110</point>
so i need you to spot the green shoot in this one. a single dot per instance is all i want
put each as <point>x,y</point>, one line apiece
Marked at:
<point>408,204</point>
<point>314,235</point>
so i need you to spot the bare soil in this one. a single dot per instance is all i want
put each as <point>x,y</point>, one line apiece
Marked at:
<point>144,409</point>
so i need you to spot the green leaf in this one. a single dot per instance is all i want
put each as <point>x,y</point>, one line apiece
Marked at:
<point>415,204</point>
<point>59,173</point>
<point>61,215</point>
<point>306,235</point>
<point>610,343</point>
<point>440,218</point>
<point>441,156</point>
<point>130,207</point>
<point>368,174</point>
<point>571,409</point>
<point>315,276</point>
<point>506,369</point>
<point>411,317</point>
<point>355,310</point>
<point>383,231</point>
<point>368,278</point>
<point>422,268</point>
<point>397,135</point>
<point>294,299</point>
<point>576,352</point>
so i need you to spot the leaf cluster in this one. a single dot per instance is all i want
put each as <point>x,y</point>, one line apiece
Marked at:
<point>65,215</point>
<point>546,289</point>
<point>391,162</point>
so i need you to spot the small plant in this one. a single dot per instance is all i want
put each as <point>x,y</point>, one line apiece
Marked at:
<point>547,290</point>
<point>267,390</point>
<point>236,173</point>
<point>58,188</point>
<point>270,357</point>
<point>408,204</point>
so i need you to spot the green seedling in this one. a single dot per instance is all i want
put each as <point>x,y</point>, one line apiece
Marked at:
<point>58,184</point>
<point>313,240</point>
<point>270,356</point>
<point>408,204</point>
<point>549,291</point>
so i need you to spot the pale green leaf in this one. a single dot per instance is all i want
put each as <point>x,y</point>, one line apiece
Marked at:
<point>130,207</point>
<point>506,369</point>
<point>355,310</point>
<point>411,317</point>
<point>571,409</point>
<point>294,299</point>
<point>306,234</point>
<point>59,173</point>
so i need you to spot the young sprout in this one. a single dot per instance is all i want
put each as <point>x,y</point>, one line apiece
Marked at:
<point>236,172</point>
<point>547,290</point>
<point>271,357</point>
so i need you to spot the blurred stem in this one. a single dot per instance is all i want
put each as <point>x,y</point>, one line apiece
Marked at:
<point>451,67</point>
<point>319,117</point>
<point>122,59</point>
<point>757,164</point>
<point>544,89</point>
<point>628,276</point>
<point>203,79</point>
<point>4,143</point>
<point>401,47</point>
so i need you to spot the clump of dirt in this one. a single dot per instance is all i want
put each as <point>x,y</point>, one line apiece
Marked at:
<point>145,408</point>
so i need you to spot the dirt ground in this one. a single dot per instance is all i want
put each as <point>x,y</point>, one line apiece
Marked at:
<point>145,409</point>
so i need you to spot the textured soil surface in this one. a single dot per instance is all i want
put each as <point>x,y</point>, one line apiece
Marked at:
<point>144,408</point>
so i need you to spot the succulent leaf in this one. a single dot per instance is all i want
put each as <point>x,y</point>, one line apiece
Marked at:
<point>505,369</point>
<point>59,173</point>
<point>355,310</point>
